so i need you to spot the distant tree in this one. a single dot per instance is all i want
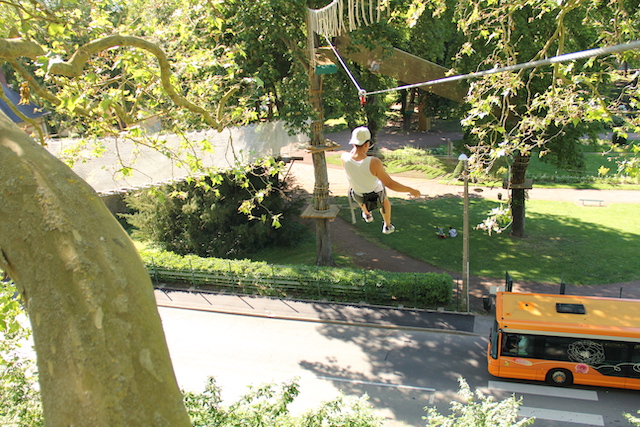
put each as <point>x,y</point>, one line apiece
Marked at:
<point>543,109</point>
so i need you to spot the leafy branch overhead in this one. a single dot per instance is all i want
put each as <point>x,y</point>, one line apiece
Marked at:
<point>11,49</point>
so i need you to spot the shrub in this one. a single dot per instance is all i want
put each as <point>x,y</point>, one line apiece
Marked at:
<point>229,215</point>
<point>268,405</point>
<point>334,284</point>
<point>479,410</point>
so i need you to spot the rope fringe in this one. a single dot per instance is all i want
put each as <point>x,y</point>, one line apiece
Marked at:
<point>330,20</point>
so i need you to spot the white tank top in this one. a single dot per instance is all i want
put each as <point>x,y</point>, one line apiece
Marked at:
<point>359,175</point>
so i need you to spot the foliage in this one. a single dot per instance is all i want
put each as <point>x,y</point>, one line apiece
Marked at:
<point>545,108</point>
<point>121,75</point>
<point>478,410</point>
<point>314,282</point>
<point>633,419</point>
<point>498,220</point>
<point>268,405</point>
<point>201,216</point>
<point>19,397</point>
<point>274,53</point>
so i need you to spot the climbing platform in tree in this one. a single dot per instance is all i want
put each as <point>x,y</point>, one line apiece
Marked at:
<point>401,65</point>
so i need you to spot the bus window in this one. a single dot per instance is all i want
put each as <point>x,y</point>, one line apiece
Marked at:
<point>634,372</point>
<point>556,348</point>
<point>510,344</point>
<point>493,338</point>
<point>517,345</point>
<point>614,359</point>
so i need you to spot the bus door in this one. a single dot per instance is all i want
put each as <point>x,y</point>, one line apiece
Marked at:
<point>516,352</point>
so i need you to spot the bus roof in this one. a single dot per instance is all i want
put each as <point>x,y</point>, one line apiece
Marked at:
<point>568,315</point>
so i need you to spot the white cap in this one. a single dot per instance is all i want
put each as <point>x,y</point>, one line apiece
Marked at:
<point>360,135</point>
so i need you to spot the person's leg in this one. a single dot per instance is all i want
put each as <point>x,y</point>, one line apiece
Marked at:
<point>366,214</point>
<point>386,211</point>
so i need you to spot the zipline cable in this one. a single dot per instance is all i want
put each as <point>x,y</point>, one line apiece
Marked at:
<point>531,64</point>
<point>361,92</point>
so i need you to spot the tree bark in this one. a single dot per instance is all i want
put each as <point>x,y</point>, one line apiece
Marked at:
<point>518,195</point>
<point>102,355</point>
<point>324,255</point>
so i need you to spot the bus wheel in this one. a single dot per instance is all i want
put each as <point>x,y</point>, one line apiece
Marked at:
<point>559,377</point>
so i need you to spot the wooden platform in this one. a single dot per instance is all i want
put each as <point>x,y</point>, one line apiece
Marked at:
<point>330,213</point>
<point>526,185</point>
<point>328,145</point>
<point>402,66</point>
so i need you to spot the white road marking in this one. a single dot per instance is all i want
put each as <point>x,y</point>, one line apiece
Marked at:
<point>399,386</point>
<point>569,393</point>
<point>563,416</point>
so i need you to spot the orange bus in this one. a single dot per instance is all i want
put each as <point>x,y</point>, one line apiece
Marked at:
<point>566,339</point>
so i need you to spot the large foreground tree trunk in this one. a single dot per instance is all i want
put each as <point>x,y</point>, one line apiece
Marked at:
<point>102,355</point>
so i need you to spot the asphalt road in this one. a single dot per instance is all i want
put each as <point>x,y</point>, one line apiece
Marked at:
<point>402,369</point>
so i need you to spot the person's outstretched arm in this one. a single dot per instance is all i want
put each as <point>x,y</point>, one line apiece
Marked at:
<point>377,168</point>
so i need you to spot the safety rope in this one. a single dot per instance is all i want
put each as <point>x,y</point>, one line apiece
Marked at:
<point>361,92</point>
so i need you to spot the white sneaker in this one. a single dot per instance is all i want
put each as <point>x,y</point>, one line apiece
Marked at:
<point>367,217</point>
<point>388,230</point>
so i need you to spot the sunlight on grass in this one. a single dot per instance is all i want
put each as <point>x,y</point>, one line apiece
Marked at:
<point>582,245</point>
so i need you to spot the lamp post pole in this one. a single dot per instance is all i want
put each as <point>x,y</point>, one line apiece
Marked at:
<point>465,234</point>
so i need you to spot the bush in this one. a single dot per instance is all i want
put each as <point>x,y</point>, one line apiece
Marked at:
<point>479,410</point>
<point>268,405</point>
<point>334,284</point>
<point>229,215</point>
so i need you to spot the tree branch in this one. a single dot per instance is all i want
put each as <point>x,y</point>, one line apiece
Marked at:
<point>17,47</point>
<point>75,66</point>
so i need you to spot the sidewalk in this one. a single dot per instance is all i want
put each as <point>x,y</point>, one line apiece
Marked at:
<point>360,315</point>
<point>324,312</point>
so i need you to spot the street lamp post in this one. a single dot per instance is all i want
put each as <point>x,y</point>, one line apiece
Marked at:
<point>465,233</point>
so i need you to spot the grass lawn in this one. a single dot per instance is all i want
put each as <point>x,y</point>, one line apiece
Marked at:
<point>583,244</point>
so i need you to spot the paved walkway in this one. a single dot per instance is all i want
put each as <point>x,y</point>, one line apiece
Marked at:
<point>305,177</point>
<point>323,312</point>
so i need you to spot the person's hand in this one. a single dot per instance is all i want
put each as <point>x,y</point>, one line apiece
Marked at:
<point>414,192</point>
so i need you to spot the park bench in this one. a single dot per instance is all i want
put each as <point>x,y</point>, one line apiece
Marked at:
<point>592,202</point>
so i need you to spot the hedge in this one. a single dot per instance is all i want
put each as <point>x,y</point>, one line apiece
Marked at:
<point>420,290</point>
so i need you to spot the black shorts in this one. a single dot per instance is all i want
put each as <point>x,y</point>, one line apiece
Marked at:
<point>371,200</point>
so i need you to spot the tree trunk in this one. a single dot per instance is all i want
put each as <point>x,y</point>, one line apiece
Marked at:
<point>324,255</point>
<point>518,195</point>
<point>102,355</point>
<point>406,116</point>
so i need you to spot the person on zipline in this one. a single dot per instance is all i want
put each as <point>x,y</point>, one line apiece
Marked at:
<point>368,179</point>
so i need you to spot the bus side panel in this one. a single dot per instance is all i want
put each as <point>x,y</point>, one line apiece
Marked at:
<point>518,368</point>
<point>531,369</point>
<point>633,383</point>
